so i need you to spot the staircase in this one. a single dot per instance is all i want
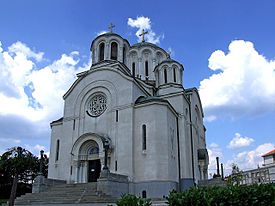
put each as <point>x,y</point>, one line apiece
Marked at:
<point>67,194</point>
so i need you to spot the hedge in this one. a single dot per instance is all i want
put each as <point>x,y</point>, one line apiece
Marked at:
<point>263,194</point>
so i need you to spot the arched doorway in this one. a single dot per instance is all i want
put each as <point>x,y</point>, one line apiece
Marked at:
<point>89,155</point>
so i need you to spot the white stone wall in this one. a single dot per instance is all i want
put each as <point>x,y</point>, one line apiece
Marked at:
<point>154,163</point>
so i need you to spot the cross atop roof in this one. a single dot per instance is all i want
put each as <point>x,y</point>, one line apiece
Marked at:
<point>143,34</point>
<point>110,27</point>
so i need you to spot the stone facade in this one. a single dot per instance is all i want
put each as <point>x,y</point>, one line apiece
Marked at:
<point>129,114</point>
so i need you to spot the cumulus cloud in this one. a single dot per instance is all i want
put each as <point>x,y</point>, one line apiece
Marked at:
<point>32,92</point>
<point>250,159</point>
<point>31,95</point>
<point>144,23</point>
<point>240,141</point>
<point>243,83</point>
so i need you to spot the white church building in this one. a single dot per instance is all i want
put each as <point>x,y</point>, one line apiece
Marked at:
<point>130,117</point>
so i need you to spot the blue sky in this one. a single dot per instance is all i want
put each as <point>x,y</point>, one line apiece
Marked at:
<point>227,49</point>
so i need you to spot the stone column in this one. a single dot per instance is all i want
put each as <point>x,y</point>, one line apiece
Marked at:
<point>85,172</point>
<point>76,173</point>
<point>120,54</point>
<point>106,51</point>
<point>139,66</point>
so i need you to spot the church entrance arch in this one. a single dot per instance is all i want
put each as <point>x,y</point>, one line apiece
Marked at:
<point>89,152</point>
<point>89,157</point>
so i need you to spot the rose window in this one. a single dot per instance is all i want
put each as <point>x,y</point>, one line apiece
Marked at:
<point>97,105</point>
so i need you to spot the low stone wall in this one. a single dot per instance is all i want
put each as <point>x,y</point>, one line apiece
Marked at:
<point>113,184</point>
<point>212,182</point>
<point>41,183</point>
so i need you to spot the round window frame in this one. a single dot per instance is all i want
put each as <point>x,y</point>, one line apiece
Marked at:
<point>88,107</point>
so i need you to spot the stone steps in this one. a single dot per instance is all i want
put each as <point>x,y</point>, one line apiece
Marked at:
<point>66,194</point>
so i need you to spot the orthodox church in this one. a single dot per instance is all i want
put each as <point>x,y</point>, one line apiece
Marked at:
<point>129,117</point>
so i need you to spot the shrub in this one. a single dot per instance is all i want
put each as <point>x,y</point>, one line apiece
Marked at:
<point>132,200</point>
<point>263,194</point>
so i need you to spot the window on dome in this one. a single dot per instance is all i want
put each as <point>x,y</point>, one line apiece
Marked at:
<point>146,69</point>
<point>174,72</point>
<point>165,76</point>
<point>101,51</point>
<point>114,51</point>
<point>134,69</point>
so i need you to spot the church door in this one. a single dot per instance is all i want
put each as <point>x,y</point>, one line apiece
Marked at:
<point>94,170</point>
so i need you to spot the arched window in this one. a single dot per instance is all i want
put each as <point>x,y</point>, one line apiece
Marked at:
<point>57,150</point>
<point>146,69</point>
<point>93,150</point>
<point>174,73</point>
<point>134,69</point>
<point>165,76</point>
<point>143,137</point>
<point>101,51</point>
<point>114,51</point>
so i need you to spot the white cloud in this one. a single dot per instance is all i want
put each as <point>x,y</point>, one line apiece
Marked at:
<point>240,141</point>
<point>101,32</point>
<point>171,52</point>
<point>22,49</point>
<point>35,149</point>
<point>10,140</point>
<point>31,92</point>
<point>243,85</point>
<point>144,23</point>
<point>251,159</point>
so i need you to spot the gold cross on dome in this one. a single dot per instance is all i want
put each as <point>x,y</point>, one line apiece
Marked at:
<point>143,34</point>
<point>110,27</point>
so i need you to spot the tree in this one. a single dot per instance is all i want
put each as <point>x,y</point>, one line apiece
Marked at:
<point>236,175</point>
<point>18,164</point>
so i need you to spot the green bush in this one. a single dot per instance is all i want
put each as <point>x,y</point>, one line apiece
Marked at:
<point>263,194</point>
<point>132,200</point>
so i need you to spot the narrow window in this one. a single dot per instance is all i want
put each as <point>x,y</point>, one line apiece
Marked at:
<point>165,76</point>
<point>146,69</point>
<point>143,137</point>
<point>114,51</point>
<point>116,115</point>
<point>116,165</point>
<point>175,77</point>
<point>57,150</point>
<point>144,195</point>
<point>74,125</point>
<point>123,58</point>
<point>134,69</point>
<point>71,171</point>
<point>101,51</point>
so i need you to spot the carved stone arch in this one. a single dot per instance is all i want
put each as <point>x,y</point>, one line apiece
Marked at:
<point>159,57</point>
<point>106,87</point>
<point>146,54</point>
<point>101,140</point>
<point>133,53</point>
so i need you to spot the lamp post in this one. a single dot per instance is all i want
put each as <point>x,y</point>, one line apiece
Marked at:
<point>41,162</point>
<point>106,148</point>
